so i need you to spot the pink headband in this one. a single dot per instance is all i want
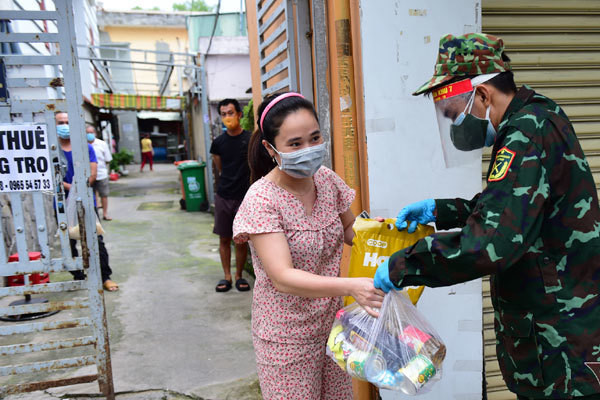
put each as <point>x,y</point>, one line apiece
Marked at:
<point>275,101</point>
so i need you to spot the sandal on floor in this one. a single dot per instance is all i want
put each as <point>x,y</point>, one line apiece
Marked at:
<point>242,285</point>
<point>223,286</point>
<point>110,286</point>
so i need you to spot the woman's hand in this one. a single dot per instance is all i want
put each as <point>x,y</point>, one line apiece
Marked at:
<point>366,295</point>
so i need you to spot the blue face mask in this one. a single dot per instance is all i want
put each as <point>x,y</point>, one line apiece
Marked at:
<point>63,131</point>
<point>91,137</point>
<point>490,133</point>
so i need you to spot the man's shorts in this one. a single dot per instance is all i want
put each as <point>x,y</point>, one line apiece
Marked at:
<point>225,210</point>
<point>101,187</point>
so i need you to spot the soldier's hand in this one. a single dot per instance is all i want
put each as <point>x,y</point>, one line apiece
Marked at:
<point>421,212</point>
<point>382,278</point>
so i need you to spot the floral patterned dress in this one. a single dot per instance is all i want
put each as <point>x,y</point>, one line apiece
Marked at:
<point>290,332</point>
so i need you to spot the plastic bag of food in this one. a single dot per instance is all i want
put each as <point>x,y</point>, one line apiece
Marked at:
<point>399,351</point>
<point>73,221</point>
<point>374,242</point>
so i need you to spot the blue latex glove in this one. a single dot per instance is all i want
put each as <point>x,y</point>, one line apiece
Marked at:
<point>382,278</point>
<point>420,212</point>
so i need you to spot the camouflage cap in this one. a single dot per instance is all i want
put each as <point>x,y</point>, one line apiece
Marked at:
<point>469,54</point>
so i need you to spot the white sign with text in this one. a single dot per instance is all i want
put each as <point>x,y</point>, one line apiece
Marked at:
<point>25,164</point>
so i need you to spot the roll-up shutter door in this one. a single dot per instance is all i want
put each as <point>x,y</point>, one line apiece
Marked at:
<point>554,46</point>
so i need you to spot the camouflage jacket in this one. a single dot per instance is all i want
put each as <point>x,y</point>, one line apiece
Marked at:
<point>536,230</point>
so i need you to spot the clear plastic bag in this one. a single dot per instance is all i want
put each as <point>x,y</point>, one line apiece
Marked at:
<point>399,350</point>
<point>72,220</point>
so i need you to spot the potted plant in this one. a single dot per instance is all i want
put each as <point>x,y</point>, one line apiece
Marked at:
<point>120,159</point>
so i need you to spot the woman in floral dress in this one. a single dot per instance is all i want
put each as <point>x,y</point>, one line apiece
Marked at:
<point>297,218</point>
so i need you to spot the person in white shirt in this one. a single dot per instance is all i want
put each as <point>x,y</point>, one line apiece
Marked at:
<point>104,157</point>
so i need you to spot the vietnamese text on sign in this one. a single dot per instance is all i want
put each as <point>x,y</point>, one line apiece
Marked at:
<point>24,158</point>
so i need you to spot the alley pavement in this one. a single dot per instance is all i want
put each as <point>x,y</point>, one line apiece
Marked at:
<point>171,335</point>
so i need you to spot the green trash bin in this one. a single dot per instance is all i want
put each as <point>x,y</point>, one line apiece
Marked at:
<point>192,177</point>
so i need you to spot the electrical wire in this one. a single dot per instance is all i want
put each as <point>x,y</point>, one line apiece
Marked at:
<point>214,27</point>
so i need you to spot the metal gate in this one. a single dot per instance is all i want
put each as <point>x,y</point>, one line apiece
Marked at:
<point>41,355</point>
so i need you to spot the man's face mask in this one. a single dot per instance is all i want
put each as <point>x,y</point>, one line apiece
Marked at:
<point>302,163</point>
<point>232,123</point>
<point>63,131</point>
<point>469,132</point>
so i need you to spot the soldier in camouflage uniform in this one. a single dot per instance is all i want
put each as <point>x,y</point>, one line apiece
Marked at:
<point>535,230</point>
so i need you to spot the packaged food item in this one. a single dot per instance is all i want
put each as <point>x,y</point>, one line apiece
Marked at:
<point>374,242</point>
<point>355,365</point>
<point>400,350</point>
<point>416,374</point>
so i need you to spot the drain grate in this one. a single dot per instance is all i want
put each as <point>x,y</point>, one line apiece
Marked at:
<point>155,205</point>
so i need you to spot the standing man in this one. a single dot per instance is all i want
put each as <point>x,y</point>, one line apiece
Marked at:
<point>64,138</point>
<point>535,228</point>
<point>103,156</point>
<point>230,156</point>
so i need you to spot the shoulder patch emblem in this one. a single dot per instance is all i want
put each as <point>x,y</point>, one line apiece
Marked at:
<point>504,158</point>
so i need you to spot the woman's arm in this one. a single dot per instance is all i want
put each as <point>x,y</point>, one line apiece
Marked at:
<point>347,222</point>
<point>274,254</point>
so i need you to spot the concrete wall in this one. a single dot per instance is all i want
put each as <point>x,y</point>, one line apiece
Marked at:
<point>129,136</point>
<point>406,163</point>
<point>197,132</point>
<point>228,76</point>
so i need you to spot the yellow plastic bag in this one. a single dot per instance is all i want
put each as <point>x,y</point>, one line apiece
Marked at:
<point>374,242</point>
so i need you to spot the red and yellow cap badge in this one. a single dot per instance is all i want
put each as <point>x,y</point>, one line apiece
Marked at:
<point>451,90</point>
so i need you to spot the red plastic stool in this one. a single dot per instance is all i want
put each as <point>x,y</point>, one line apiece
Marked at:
<point>34,279</point>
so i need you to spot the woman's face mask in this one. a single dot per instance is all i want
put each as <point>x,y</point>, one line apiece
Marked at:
<point>469,132</point>
<point>302,163</point>
<point>63,131</point>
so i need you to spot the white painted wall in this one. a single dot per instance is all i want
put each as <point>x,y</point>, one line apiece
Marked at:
<point>406,164</point>
<point>86,32</point>
<point>228,76</point>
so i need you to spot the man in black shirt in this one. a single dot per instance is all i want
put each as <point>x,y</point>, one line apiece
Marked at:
<point>230,156</point>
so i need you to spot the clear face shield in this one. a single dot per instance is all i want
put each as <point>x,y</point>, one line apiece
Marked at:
<point>463,135</point>
<point>450,102</point>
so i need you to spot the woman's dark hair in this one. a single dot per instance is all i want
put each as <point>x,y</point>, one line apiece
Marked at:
<point>258,158</point>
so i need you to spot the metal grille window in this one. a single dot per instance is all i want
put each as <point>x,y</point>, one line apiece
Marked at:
<point>38,355</point>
